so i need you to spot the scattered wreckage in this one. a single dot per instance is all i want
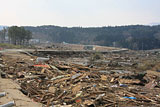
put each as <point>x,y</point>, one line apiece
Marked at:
<point>59,84</point>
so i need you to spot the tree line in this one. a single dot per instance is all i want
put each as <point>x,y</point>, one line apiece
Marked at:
<point>132,37</point>
<point>136,37</point>
<point>15,35</point>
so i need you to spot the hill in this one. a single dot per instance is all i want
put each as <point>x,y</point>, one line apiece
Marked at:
<point>137,37</point>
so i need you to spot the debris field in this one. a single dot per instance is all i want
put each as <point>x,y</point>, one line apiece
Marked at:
<point>123,79</point>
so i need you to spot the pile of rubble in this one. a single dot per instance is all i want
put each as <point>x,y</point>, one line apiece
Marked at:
<point>59,84</point>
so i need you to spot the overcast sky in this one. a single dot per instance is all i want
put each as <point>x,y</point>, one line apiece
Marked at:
<point>79,12</point>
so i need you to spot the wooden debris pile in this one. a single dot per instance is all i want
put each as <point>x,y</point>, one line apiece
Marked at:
<point>73,85</point>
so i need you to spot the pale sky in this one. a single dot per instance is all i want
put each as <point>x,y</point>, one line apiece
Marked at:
<point>85,13</point>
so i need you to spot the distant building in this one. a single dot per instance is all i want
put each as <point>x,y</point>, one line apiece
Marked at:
<point>65,43</point>
<point>89,47</point>
<point>34,41</point>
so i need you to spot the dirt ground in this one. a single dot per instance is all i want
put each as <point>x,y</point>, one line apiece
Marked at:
<point>12,88</point>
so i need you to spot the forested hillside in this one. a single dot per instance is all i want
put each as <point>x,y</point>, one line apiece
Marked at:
<point>135,37</point>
